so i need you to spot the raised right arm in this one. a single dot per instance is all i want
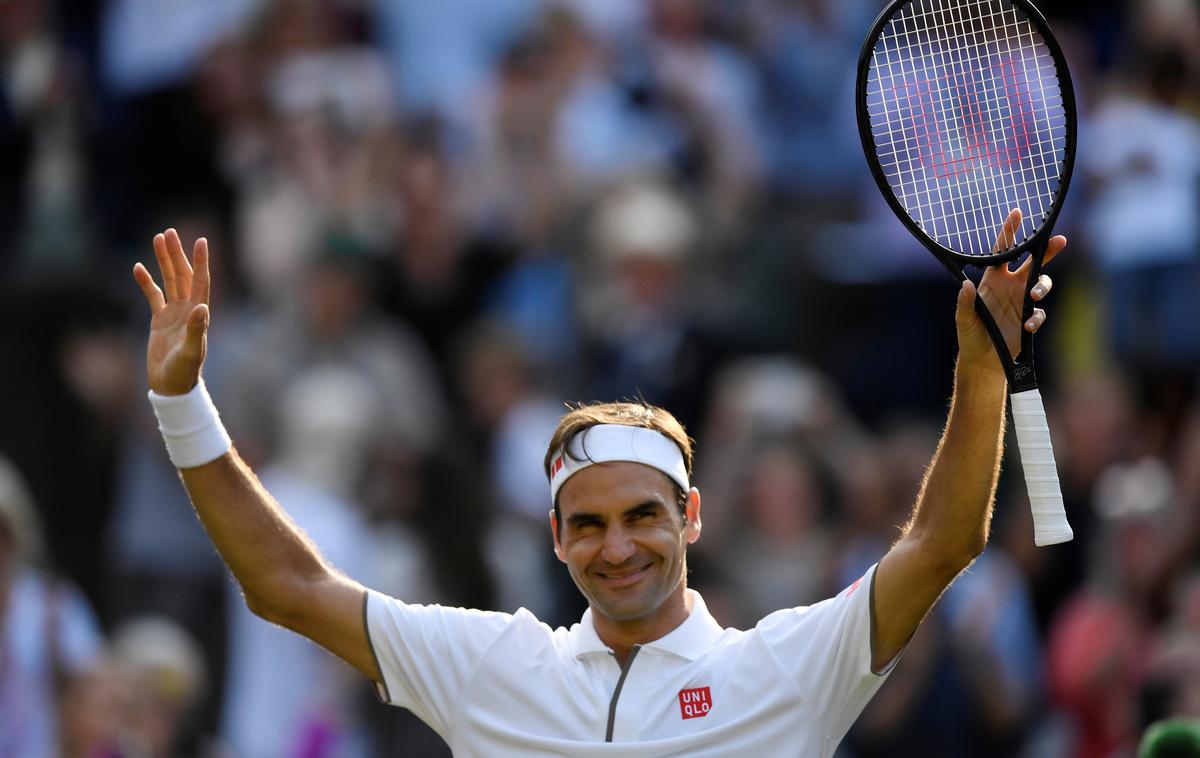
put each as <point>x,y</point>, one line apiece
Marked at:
<point>283,576</point>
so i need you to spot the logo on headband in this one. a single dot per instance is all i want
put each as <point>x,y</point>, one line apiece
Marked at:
<point>554,467</point>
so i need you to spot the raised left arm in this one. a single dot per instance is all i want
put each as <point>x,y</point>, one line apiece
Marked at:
<point>949,524</point>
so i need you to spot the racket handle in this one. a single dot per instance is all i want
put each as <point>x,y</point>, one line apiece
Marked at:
<point>1050,525</point>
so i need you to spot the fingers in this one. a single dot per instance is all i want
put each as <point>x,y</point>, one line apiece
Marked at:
<point>179,261</point>
<point>1054,247</point>
<point>1036,320</point>
<point>177,274</point>
<point>1008,231</point>
<point>1042,288</point>
<point>154,296</point>
<point>202,283</point>
<point>1039,291</point>
<point>165,266</point>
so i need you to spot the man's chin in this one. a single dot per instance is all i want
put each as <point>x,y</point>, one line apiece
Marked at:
<point>624,606</point>
<point>621,613</point>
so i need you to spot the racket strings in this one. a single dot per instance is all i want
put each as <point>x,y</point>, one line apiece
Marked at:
<point>967,119</point>
<point>966,127</point>
<point>972,131</point>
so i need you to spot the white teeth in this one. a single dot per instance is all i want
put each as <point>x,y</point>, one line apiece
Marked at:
<point>623,576</point>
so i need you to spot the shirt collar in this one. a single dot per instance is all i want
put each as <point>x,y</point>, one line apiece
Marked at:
<point>689,640</point>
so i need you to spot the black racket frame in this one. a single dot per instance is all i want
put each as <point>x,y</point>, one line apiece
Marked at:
<point>1019,370</point>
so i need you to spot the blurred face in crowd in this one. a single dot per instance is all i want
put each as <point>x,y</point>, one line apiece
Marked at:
<point>20,19</point>
<point>94,710</point>
<point>156,712</point>
<point>783,497</point>
<point>648,281</point>
<point>678,19</point>
<point>334,299</point>
<point>1140,544</point>
<point>625,541</point>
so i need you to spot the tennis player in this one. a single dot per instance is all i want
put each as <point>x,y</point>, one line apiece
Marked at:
<point>647,671</point>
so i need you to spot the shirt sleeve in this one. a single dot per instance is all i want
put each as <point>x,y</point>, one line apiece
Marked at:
<point>427,653</point>
<point>826,649</point>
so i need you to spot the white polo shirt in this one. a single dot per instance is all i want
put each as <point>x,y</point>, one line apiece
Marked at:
<point>494,684</point>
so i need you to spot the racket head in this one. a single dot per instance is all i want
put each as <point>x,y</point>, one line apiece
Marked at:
<point>966,111</point>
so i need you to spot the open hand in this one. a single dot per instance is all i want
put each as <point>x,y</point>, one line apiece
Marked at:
<point>179,318</point>
<point>1003,292</point>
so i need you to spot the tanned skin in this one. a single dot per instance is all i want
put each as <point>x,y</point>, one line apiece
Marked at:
<point>623,539</point>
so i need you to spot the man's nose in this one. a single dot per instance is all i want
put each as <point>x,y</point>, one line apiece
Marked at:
<point>618,547</point>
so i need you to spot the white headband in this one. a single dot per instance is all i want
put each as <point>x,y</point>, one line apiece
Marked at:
<point>617,442</point>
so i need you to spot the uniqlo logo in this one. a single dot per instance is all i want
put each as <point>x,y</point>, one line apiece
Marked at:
<point>695,703</point>
<point>558,463</point>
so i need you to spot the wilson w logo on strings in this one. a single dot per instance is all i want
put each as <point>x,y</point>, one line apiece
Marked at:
<point>960,120</point>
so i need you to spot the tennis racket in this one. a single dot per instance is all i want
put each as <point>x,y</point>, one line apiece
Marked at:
<point>966,111</point>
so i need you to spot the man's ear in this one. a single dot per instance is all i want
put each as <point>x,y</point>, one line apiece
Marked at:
<point>692,512</point>
<point>558,549</point>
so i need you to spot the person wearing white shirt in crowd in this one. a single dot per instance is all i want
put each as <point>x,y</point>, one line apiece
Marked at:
<point>48,631</point>
<point>283,695</point>
<point>1143,163</point>
<point>647,671</point>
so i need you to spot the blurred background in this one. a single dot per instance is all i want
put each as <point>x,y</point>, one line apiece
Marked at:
<point>432,223</point>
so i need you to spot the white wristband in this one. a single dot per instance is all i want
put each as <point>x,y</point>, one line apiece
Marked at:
<point>191,427</point>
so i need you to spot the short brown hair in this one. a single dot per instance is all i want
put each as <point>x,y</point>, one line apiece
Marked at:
<point>642,414</point>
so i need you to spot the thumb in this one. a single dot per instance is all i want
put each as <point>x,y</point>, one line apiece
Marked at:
<point>197,326</point>
<point>964,313</point>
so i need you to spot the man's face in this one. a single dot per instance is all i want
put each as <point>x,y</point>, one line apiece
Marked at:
<point>623,538</point>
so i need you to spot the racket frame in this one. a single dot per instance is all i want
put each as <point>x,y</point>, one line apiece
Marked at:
<point>1020,370</point>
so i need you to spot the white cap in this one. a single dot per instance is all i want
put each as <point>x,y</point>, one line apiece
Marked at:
<point>158,646</point>
<point>604,443</point>
<point>645,221</point>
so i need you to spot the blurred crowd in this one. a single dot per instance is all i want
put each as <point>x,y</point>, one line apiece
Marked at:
<point>433,222</point>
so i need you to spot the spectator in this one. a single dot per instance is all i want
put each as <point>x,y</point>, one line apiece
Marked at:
<point>48,633</point>
<point>435,271</point>
<point>1099,644</point>
<point>42,190</point>
<point>644,336</point>
<point>166,680</point>
<point>781,552</point>
<point>334,320</point>
<point>514,418</point>
<point>1144,164</point>
<point>471,158</point>
<point>285,696</point>
<point>330,114</point>
<point>441,53</point>
<point>808,132</point>
<point>95,707</point>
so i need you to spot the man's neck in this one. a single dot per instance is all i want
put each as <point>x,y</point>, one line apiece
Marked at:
<point>622,636</point>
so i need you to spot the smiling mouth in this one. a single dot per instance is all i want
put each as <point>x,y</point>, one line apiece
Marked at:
<point>623,578</point>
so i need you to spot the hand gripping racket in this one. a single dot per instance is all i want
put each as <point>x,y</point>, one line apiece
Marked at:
<point>966,111</point>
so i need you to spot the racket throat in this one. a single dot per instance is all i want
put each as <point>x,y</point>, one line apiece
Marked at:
<point>1020,370</point>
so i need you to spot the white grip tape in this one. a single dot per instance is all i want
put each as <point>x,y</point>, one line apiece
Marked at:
<point>1050,525</point>
<point>191,427</point>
